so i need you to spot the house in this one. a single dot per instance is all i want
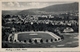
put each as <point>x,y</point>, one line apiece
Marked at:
<point>68,29</point>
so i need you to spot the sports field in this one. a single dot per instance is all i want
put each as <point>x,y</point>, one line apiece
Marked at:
<point>37,35</point>
<point>70,40</point>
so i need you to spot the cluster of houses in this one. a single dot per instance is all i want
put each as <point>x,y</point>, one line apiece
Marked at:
<point>62,19</point>
<point>55,20</point>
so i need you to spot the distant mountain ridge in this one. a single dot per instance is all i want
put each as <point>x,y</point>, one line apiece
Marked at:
<point>61,7</point>
<point>53,9</point>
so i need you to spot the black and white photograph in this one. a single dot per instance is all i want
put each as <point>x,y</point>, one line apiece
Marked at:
<point>40,24</point>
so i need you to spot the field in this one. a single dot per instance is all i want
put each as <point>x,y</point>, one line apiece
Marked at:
<point>70,40</point>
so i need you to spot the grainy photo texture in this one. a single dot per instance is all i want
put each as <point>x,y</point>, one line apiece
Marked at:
<point>40,24</point>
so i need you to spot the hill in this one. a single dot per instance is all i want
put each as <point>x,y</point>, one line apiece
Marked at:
<point>53,9</point>
<point>61,7</point>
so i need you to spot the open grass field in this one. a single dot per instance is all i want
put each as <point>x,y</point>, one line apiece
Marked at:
<point>35,35</point>
<point>31,36</point>
<point>70,40</point>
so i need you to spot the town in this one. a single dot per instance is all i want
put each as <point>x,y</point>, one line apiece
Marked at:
<point>41,22</point>
<point>54,26</point>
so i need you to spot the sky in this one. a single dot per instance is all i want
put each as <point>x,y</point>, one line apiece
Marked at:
<point>27,5</point>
